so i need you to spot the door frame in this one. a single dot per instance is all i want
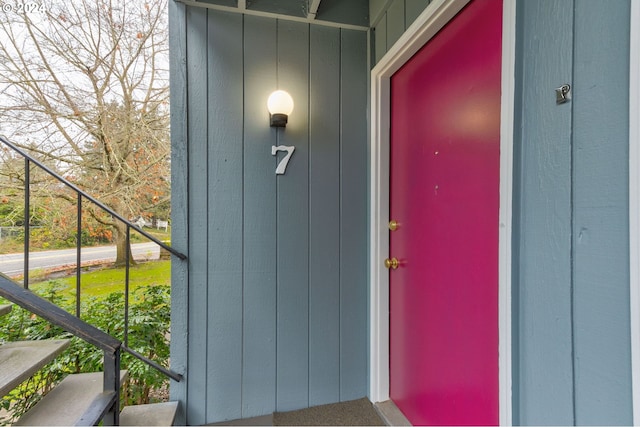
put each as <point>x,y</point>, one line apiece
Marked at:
<point>432,19</point>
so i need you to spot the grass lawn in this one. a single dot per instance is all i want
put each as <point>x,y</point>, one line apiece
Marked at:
<point>100,283</point>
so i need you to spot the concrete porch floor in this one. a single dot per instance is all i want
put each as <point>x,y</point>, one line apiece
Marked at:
<point>359,412</point>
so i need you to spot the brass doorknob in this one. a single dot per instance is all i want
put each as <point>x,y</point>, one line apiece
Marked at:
<point>391,263</point>
<point>393,225</point>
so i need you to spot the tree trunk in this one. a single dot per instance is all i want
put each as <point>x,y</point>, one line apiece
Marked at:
<point>121,245</point>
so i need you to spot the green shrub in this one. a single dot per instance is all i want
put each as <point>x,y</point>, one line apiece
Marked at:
<point>149,318</point>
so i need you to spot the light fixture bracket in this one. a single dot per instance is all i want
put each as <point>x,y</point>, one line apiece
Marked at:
<point>279,120</point>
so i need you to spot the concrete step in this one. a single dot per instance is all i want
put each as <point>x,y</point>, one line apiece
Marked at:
<point>21,359</point>
<point>153,414</point>
<point>4,309</point>
<point>66,404</point>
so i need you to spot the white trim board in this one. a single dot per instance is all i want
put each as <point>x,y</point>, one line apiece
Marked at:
<point>434,17</point>
<point>634,203</point>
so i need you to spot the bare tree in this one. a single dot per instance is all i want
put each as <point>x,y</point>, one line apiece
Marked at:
<point>84,83</point>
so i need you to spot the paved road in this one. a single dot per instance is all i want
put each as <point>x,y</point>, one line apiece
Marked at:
<point>13,264</point>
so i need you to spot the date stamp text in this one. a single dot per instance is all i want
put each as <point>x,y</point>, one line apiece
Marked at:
<point>20,7</point>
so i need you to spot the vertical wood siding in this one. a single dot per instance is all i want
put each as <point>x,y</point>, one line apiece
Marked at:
<point>277,277</point>
<point>354,331</point>
<point>389,21</point>
<point>571,289</point>
<point>545,341</point>
<point>179,180</point>
<point>292,333</point>
<point>324,235</point>
<point>224,250</point>
<point>198,202</point>
<point>601,333</point>
<point>258,380</point>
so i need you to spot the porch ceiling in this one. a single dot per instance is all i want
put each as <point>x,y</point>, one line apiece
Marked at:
<point>353,14</point>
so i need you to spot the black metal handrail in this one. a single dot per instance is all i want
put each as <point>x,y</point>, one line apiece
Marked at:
<point>72,324</point>
<point>84,195</point>
<point>56,315</point>
<point>60,317</point>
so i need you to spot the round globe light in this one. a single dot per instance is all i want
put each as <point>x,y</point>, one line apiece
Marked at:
<point>280,102</point>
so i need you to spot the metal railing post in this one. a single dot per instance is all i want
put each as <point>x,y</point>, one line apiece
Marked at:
<point>112,384</point>
<point>126,288</point>
<point>78,254</point>
<point>27,221</point>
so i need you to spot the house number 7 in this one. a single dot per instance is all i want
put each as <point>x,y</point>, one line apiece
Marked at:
<point>282,166</point>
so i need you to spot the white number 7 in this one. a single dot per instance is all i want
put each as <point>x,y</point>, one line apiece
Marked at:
<point>282,166</point>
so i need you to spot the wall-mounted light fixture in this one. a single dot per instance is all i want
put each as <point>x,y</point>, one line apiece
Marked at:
<point>280,105</point>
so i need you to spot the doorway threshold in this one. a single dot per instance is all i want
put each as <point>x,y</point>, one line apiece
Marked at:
<point>390,414</point>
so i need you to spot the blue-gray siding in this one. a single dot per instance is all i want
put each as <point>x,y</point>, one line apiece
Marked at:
<point>179,180</point>
<point>389,20</point>
<point>277,281</point>
<point>571,286</point>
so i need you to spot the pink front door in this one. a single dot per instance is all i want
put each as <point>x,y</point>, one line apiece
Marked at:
<point>444,192</point>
